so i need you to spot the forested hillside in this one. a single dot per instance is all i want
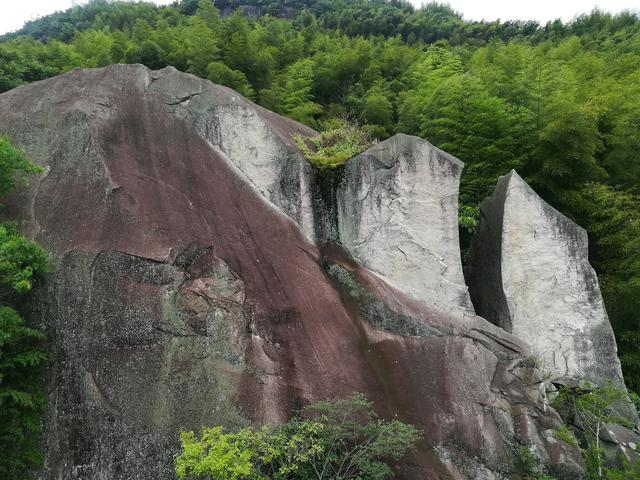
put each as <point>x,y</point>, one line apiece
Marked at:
<point>558,102</point>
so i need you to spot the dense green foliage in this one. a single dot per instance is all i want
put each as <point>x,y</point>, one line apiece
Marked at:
<point>559,102</point>
<point>21,347</point>
<point>340,439</point>
<point>14,167</point>
<point>335,145</point>
<point>528,464</point>
<point>590,409</point>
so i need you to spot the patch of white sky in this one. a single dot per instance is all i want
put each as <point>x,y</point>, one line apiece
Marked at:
<point>13,14</point>
<point>16,13</point>
<point>540,10</point>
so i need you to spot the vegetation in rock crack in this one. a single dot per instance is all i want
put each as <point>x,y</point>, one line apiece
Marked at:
<point>21,346</point>
<point>332,147</point>
<point>564,433</point>
<point>591,409</point>
<point>528,464</point>
<point>329,439</point>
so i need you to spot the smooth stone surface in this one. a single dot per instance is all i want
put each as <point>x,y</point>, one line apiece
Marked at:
<point>620,444</point>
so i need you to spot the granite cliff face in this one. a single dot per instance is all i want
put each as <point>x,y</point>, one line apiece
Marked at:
<point>397,203</point>
<point>530,275</point>
<point>206,274</point>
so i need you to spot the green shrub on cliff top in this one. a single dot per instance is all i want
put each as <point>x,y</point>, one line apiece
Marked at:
<point>341,439</point>
<point>334,146</point>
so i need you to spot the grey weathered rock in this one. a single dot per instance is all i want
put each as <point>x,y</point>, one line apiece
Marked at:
<point>620,444</point>
<point>397,207</point>
<point>254,140</point>
<point>143,349</point>
<point>529,273</point>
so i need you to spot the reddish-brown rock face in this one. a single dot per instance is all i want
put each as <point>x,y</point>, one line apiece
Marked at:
<point>189,291</point>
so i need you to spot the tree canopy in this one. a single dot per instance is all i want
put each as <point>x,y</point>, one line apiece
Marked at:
<point>21,346</point>
<point>342,439</point>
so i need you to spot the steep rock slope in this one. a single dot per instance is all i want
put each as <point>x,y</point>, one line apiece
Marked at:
<point>187,290</point>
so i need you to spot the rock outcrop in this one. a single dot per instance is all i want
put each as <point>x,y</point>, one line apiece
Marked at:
<point>397,207</point>
<point>195,283</point>
<point>529,274</point>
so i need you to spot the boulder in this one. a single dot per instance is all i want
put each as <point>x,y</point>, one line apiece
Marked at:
<point>396,210</point>
<point>529,273</point>
<point>620,445</point>
<point>188,291</point>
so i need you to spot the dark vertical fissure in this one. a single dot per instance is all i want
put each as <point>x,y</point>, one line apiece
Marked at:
<point>324,191</point>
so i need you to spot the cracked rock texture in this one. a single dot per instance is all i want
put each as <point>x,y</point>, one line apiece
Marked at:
<point>397,206</point>
<point>188,289</point>
<point>530,274</point>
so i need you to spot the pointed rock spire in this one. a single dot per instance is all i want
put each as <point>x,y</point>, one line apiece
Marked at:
<point>529,273</point>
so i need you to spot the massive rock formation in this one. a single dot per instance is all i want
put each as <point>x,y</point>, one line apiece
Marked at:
<point>199,279</point>
<point>530,274</point>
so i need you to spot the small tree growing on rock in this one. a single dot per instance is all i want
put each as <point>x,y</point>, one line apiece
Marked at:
<point>593,408</point>
<point>330,439</point>
<point>331,148</point>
